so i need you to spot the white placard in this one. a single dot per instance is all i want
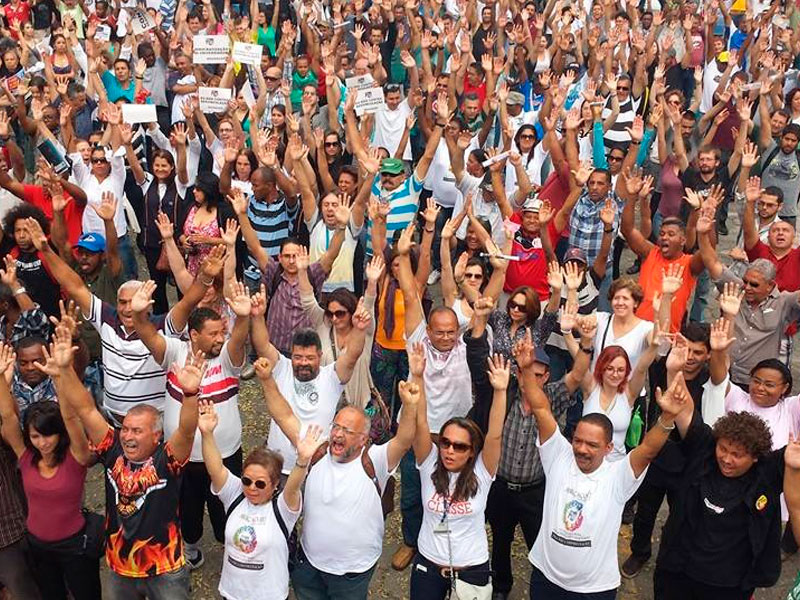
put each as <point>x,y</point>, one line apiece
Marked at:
<point>210,49</point>
<point>139,113</point>
<point>362,82</point>
<point>141,21</point>
<point>103,33</point>
<point>369,100</point>
<point>247,94</point>
<point>213,100</point>
<point>248,54</point>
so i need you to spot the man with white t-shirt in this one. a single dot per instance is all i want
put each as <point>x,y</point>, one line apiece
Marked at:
<point>312,392</point>
<point>343,521</point>
<point>576,550</point>
<point>390,119</point>
<point>448,387</point>
<point>220,383</point>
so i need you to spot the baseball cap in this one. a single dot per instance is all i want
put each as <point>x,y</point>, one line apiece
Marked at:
<point>540,356</point>
<point>93,242</point>
<point>515,98</point>
<point>532,204</point>
<point>723,56</point>
<point>576,254</point>
<point>393,166</point>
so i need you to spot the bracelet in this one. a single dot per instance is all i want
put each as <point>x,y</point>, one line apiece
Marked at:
<point>206,283</point>
<point>588,351</point>
<point>191,393</point>
<point>664,427</point>
<point>20,290</point>
<point>566,331</point>
<point>609,230</point>
<point>297,464</point>
<point>137,77</point>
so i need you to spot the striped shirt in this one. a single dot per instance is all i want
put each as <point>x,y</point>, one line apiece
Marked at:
<point>132,376</point>
<point>220,385</point>
<point>627,111</point>
<point>273,222</point>
<point>12,509</point>
<point>404,201</point>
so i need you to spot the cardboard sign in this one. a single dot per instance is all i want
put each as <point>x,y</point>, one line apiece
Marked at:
<point>103,33</point>
<point>369,101</point>
<point>139,113</point>
<point>210,49</point>
<point>141,21</point>
<point>247,54</point>
<point>214,100</point>
<point>247,94</point>
<point>362,82</point>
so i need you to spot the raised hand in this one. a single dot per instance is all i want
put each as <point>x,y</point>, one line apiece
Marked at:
<point>375,268</point>
<point>191,374</point>
<point>499,371</point>
<point>164,226</point>
<point>361,317</point>
<point>416,359</point>
<point>70,317</point>
<point>431,212</point>
<point>753,191</point>
<point>483,306</point>
<point>730,301</point>
<point>342,212</point>
<point>142,300</point>
<point>207,419</point>
<point>214,261</point>
<point>8,360</point>
<point>583,173</point>
<point>572,275</point>
<point>587,325</point>
<point>720,338</point>
<point>608,212</point>
<point>107,209</point>
<point>238,299</point>
<point>554,277</point>
<point>676,359</point>
<point>8,275</point>
<point>307,446</point>
<point>230,232</point>
<point>238,201</point>
<point>792,453</point>
<point>749,155</point>
<point>263,368</point>
<point>522,351</point>
<point>34,229</point>
<point>405,243</point>
<point>671,278</point>
<point>675,399</point>
<point>569,317</point>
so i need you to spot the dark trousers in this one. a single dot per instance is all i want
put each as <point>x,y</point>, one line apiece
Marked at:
<point>649,498</point>
<point>677,586</point>
<point>410,499</point>
<point>309,583</point>
<point>65,568</point>
<point>161,305</point>
<point>428,583</point>
<point>196,494</point>
<point>507,507</point>
<point>543,589</point>
<point>15,571</point>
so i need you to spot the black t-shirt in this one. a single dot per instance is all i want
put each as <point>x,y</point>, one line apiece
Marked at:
<point>42,15</point>
<point>691,179</point>
<point>42,288</point>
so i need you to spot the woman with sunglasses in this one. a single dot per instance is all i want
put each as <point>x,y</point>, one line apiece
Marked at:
<point>613,386</point>
<point>456,474</point>
<point>53,454</point>
<point>334,323</point>
<point>259,517</point>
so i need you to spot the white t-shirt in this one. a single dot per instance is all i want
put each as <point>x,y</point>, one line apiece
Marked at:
<point>465,520</point>
<point>619,412</point>
<point>440,178</point>
<point>343,518</point>
<point>634,342</point>
<point>312,402</point>
<point>448,385</point>
<point>389,128</point>
<point>489,210</point>
<point>576,548</point>
<point>220,384</point>
<point>320,237</point>
<point>256,561</point>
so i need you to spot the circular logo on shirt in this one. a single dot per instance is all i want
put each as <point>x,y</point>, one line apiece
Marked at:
<point>245,539</point>
<point>306,390</point>
<point>573,515</point>
<point>761,503</point>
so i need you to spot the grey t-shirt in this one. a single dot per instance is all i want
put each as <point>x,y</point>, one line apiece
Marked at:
<point>783,171</point>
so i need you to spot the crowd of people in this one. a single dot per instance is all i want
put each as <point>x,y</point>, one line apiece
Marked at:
<point>405,220</point>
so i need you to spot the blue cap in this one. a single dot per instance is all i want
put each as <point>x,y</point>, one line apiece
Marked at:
<point>540,356</point>
<point>93,242</point>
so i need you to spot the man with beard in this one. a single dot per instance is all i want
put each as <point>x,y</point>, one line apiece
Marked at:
<point>312,392</point>
<point>220,384</point>
<point>343,520</point>
<point>781,167</point>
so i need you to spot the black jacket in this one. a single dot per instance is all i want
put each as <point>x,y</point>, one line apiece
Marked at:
<point>761,499</point>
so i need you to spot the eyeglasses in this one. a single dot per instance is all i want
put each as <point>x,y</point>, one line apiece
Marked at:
<point>339,314</point>
<point>614,158</point>
<point>336,427</point>
<point>770,385</point>
<point>473,276</point>
<point>527,136</point>
<point>331,144</point>
<point>516,306</point>
<point>615,370</point>
<point>750,284</point>
<point>271,78</point>
<point>623,89</point>
<point>99,161</point>
<point>259,483</point>
<point>459,447</point>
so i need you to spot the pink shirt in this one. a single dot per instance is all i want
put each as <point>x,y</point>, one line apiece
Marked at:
<point>783,418</point>
<point>54,504</point>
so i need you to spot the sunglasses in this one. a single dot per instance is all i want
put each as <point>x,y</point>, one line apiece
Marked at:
<point>459,447</point>
<point>271,78</point>
<point>331,144</point>
<point>473,276</point>
<point>517,306</point>
<point>339,314</point>
<point>392,87</point>
<point>751,284</point>
<point>99,161</point>
<point>623,89</point>
<point>259,483</point>
<point>615,158</point>
<point>527,136</point>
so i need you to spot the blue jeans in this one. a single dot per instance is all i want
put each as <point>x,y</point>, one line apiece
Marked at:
<point>169,586</point>
<point>310,583</point>
<point>410,499</point>
<point>130,268</point>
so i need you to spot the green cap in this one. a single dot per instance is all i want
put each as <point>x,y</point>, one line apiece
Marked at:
<point>393,166</point>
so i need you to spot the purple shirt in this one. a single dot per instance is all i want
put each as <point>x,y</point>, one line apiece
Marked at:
<point>285,314</point>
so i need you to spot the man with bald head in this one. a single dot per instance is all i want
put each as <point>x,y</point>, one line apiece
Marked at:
<point>272,77</point>
<point>448,388</point>
<point>337,559</point>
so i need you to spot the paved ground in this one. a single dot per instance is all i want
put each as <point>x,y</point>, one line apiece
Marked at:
<point>392,585</point>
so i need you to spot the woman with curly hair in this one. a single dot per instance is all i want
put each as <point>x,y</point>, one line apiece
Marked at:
<point>722,537</point>
<point>30,268</point>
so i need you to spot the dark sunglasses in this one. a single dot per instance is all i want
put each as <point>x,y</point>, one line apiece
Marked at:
<point>459,447</point>
<point>527,136</point>
<point>331,144</point>
<point>615,158</point>
<point>751,284</point>
<point>259,483</point>
<point>392,87</point>
<point>339,314</point>
<point>473,276</point>
<point>517,305</point>
<point>271,78</point>
<point>99,161</point>
<point>623,89</point>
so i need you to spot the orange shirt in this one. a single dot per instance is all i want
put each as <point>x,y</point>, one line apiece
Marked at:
<point>650,277</point>
<point>398,338</point>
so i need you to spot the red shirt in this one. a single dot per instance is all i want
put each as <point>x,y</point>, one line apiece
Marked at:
<point>73,214</point>
<point>531,269</point>
<point>479,90</point>
<point>19,15</point>
<point>788,268</point>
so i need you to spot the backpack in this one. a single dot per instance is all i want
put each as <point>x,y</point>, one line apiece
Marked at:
<point>274,502</point>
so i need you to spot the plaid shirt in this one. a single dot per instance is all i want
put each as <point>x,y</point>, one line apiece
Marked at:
<point>12,511</point>
<point>29,323</point>
<point>519,458</point>
<point>285,314</point>
<point>273,98</point>
<point>586,228</point>
<point>26,395</point>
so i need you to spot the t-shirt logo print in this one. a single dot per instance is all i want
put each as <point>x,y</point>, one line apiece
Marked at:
<point>245,539</point>
<point>573,515</point>
<point>132,487</point>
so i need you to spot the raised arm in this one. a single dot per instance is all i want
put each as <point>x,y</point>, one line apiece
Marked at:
<point>499,376</point>
<point>535,400</point>
<point>422,438</point>
<point>207,421</point>
<point>410,394</point>
<point>405,277</point>
<point>278,407</point>
<point>355,343</point>
<point>10,428</point>
<point>188,377</point>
